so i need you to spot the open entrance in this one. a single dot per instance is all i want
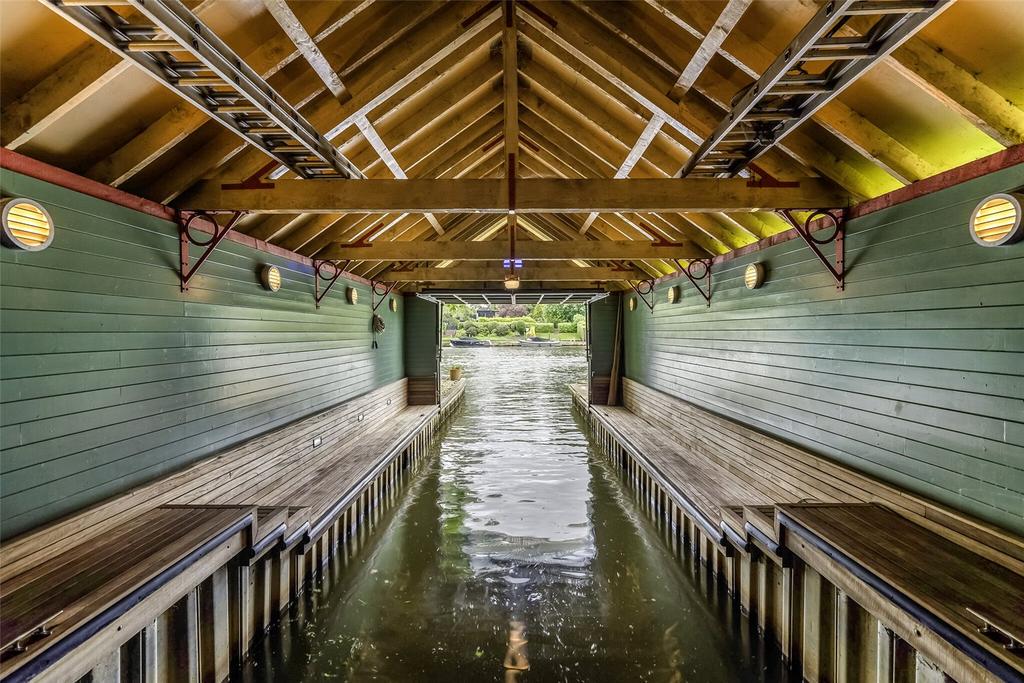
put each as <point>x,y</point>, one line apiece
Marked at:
<point>587,320</point>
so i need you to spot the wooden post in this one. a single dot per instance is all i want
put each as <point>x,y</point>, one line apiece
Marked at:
<point>926,671</point>
<point>282,581</point>
<point>265,597</point>
<point>792,601</point>
<point>886,655</point>
<point>192,636</point>
<point>215,627</point>
<point>818,642</point>
<point>151,637</point>
<point>244,607</point>
<point>108,670</point>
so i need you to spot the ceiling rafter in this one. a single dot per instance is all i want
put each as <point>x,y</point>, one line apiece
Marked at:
<point>577,90</point>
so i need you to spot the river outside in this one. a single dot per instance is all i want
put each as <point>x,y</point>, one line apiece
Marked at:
<point>515,554</point>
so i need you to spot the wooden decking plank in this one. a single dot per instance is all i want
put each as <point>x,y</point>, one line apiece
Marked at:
<point>66,571</point>
<point>935,572</point>
<point>83,605</point>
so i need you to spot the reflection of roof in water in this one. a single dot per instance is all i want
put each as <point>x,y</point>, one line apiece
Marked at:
<point>489,550</point>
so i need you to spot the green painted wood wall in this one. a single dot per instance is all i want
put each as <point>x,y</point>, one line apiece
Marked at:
<point>110,376</point>
<point>601,321</point>
<point>422,334</point>
<point>915,373</point>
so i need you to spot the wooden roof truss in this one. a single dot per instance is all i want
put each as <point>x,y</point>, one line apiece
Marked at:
<point>442,127</point>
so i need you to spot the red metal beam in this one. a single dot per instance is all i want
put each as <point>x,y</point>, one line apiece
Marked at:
<point>33,168</point>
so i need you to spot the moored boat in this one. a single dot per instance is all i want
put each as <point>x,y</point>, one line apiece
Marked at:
<point>538,341</point>
<point>470,342</point>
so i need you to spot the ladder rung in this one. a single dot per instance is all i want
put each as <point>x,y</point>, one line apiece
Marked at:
<point>137,30</point>
<point>889,7</point>
<point>842,43</point>
<point>188,66</point>
<point>95,3</point>
<point>237,109</point>
<point>798,89</point>
<point>289,149</point>
<point>199,80</point>
<point>770,115</point>
<point>833,55</point>
<point>804,78</point>
<point>153,46</point>
<point>267,130</point>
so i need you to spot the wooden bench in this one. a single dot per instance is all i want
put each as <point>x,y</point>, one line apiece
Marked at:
<point>972,604</point>
<point>722,464</point>
<point>342,440</point>
<point>73,596</point>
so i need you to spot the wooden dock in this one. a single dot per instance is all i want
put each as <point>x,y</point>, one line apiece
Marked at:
<point>194,567</point>
<point>853,578</point>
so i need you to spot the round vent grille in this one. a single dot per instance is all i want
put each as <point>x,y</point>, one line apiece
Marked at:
<point>26,225</point>
<point>997,220</point>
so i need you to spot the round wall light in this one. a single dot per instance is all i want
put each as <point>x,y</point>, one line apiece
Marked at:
<point>352,294</point>
<point>26,224</point>
<point>996,221</point>
<point>673,294</point>
<point>632,303</point>
<point>270,276</point>
<point>393,305</point>
<point>753,276</point>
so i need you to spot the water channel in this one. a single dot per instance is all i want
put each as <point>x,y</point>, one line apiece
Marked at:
<point>515,554</point>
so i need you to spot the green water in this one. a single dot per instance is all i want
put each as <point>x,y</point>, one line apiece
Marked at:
<point>515,545</point>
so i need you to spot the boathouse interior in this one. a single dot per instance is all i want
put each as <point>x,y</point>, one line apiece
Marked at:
<point>231,228</point>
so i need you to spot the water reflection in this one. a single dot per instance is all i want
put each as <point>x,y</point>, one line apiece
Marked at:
<point>515,555</point>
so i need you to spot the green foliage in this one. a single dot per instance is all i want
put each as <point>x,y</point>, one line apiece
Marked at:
<point>456,313</point>
<point>520,327</point>
<point>513,311</point>
<point>472,330</point>
<point>502,330</point>
<point>557,312</point>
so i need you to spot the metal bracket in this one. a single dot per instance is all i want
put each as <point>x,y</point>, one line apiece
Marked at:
<point>185,239</point>
<point>838,235</point>
<point>702,273</point>
<point>766,179</point>
<point>255,181</point>
<point>330,276</point>
<point>382,293</point>
<point>643,288</point>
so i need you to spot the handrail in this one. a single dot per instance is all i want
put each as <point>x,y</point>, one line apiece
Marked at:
<point>942,628</point>
<point>776,549</point>
<point>48,657</point>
